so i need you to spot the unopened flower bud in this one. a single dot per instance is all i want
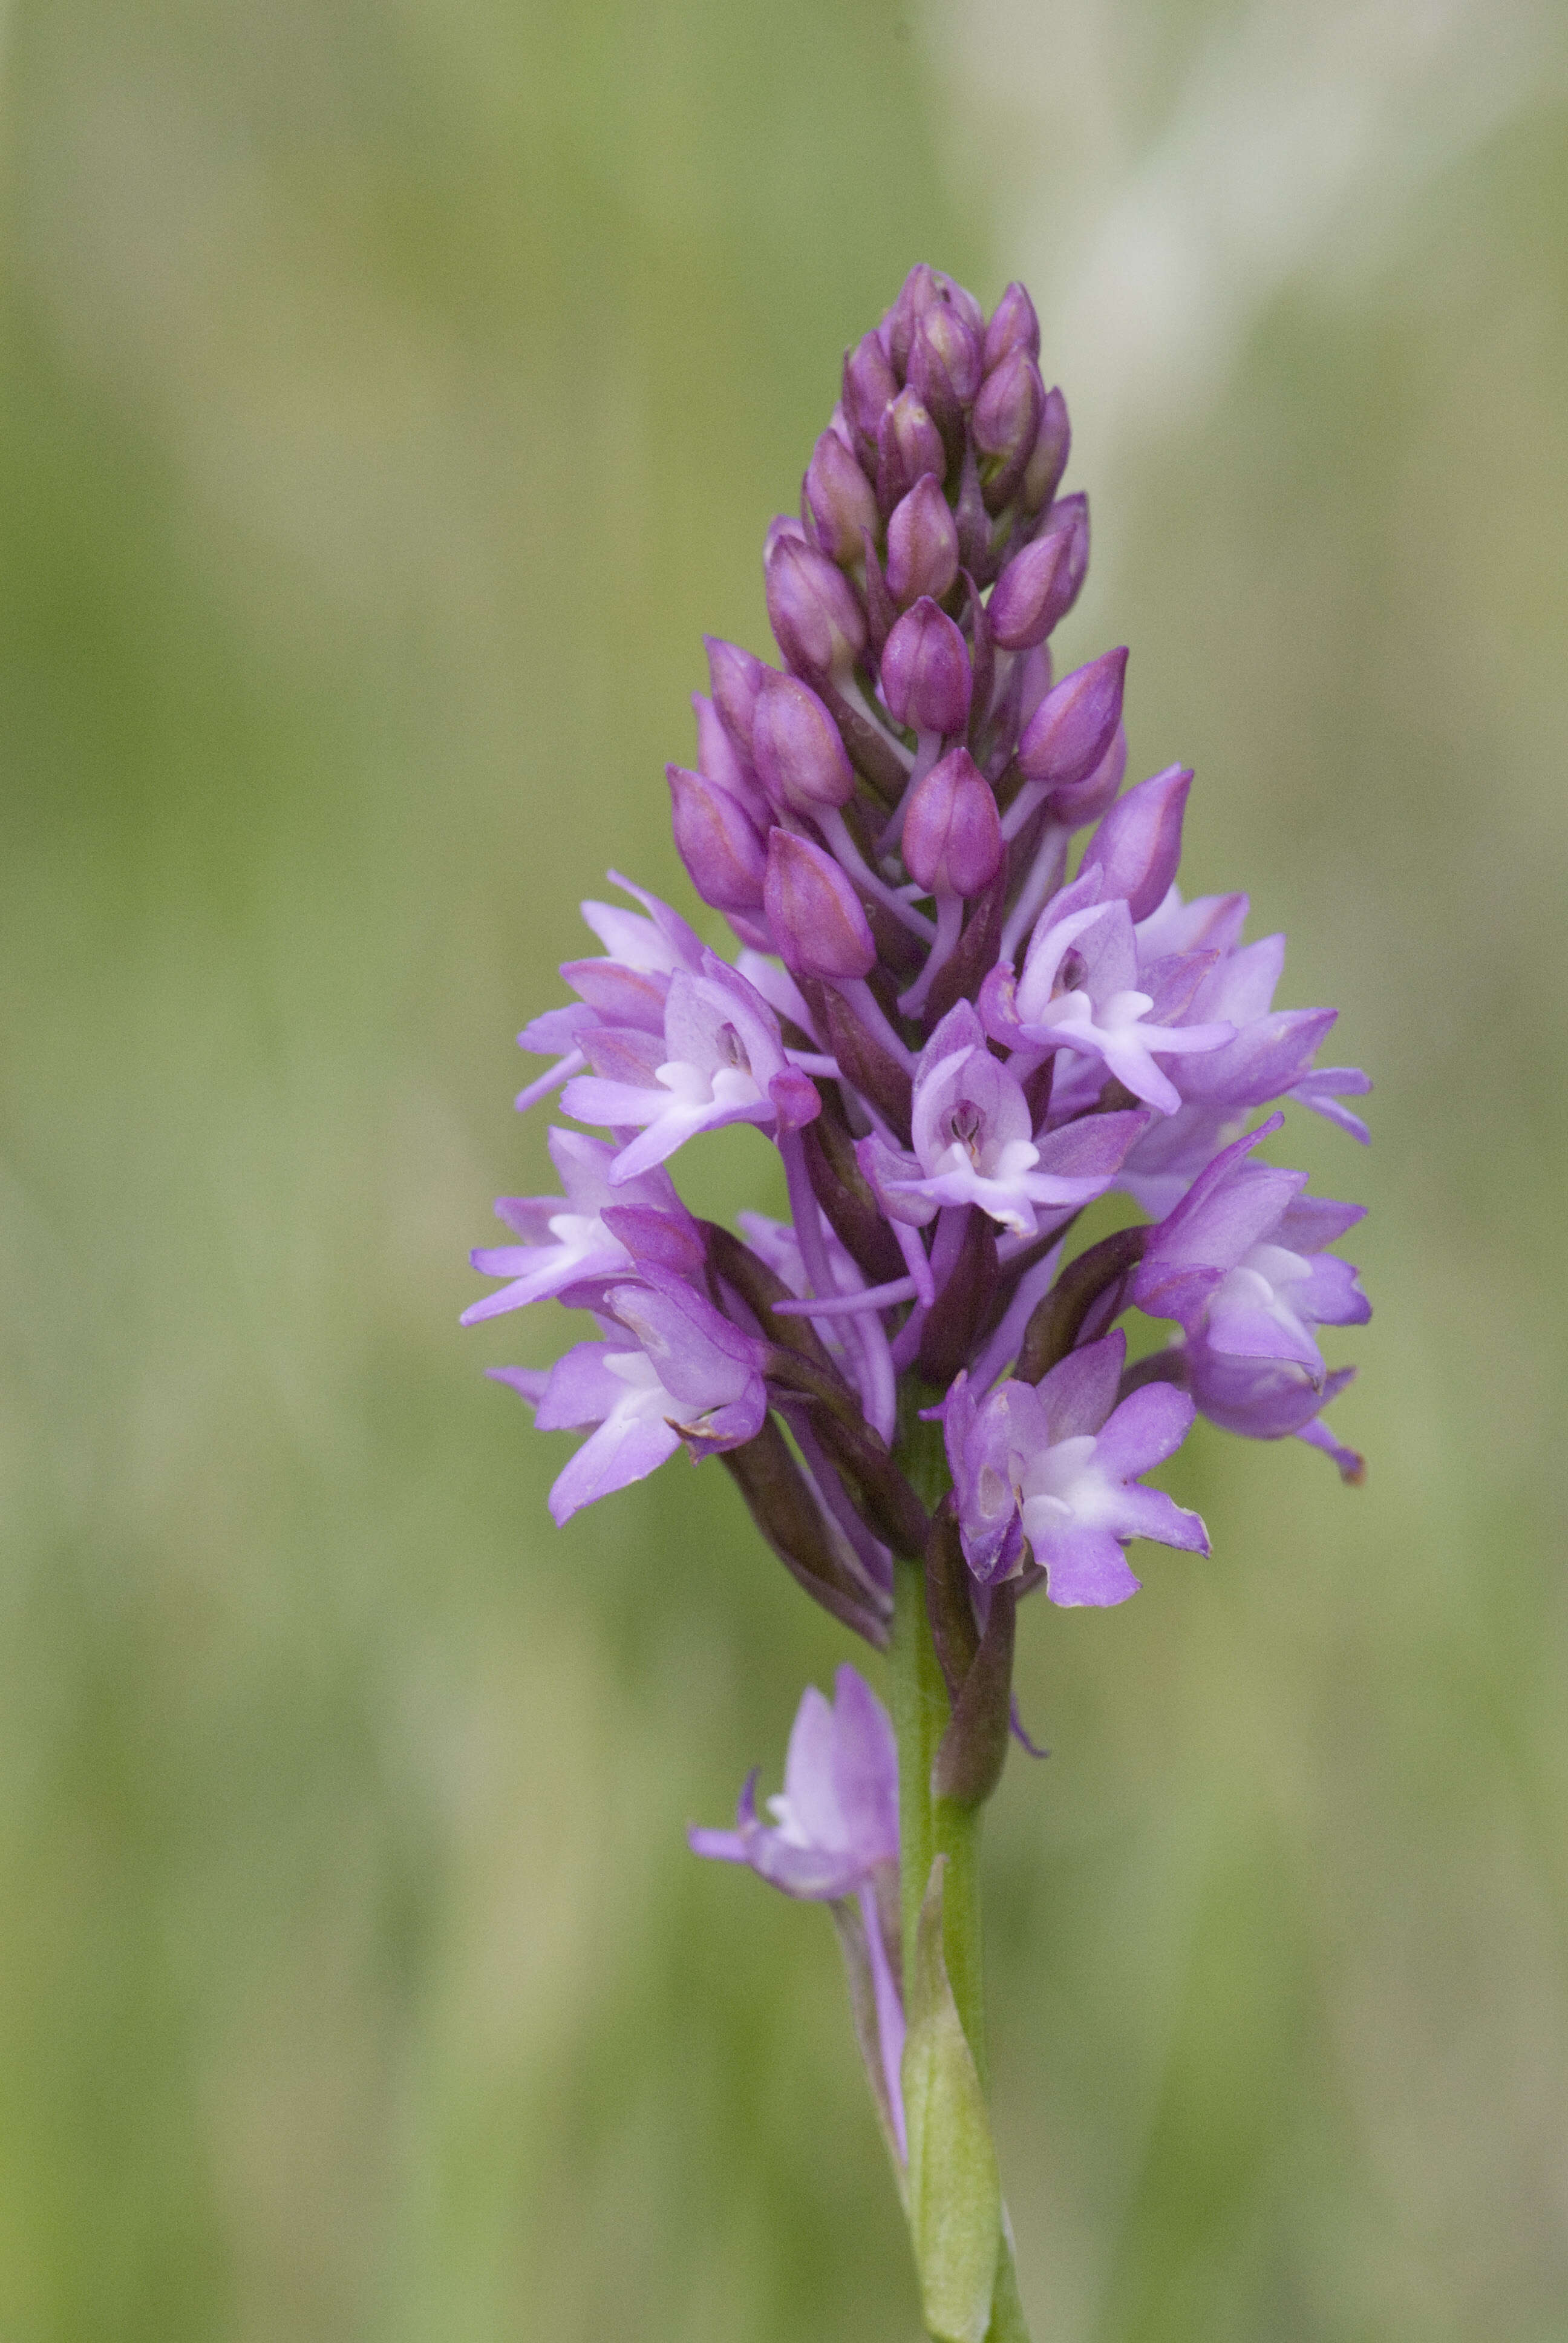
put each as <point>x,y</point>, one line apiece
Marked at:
<point>1053,442</point>
<point>1006,424</point>
<point>1087,800</point>
<point>922,545</point>
<point>800,759</point>
<point>953,836</point>
<point>870,385</point>
<point>1075,723</point>
<point>1038,586</point>
<point>1036,675</point>
<point>736,678</point>
<point>782,525</point>
<point>1013,327</point>
<point>718,840</point>
<point>817,621</point>
<point>945,363</point>
<point>719,760</point>
<point>926,677</point>
<point>840,499</point>
<point>909,445</point>
<point>1139,844</point>
<point>923,289</point>
<point>815,916</point>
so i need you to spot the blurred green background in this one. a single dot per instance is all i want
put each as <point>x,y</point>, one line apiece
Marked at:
<point>394,392</point>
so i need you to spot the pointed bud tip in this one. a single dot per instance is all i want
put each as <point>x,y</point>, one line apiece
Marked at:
<point>952,841</point>
<point>926,674</point>
<point>815,914</point>
<point>922,545</point>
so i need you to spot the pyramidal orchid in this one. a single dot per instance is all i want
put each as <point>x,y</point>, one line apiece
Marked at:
<point>967,1001</point>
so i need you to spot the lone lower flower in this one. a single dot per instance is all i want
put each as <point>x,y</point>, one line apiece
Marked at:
<point>967,1001</point>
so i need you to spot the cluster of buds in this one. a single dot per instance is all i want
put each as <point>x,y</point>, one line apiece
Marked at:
<point>956,1047</point>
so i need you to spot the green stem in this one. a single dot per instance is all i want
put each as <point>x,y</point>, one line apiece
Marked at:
<point>929,1828</point>
<point>957,1835</point>
<point>920,1717</point>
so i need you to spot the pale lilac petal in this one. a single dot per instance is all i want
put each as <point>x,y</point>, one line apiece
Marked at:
<point>527,1382</point>
<point>532,1092</point>
<point>620,996</point>
<point>810,1789</point>
<point>1323,1089</point>
<point>582,1389</point>
<point>611,1458</point>
<point>1332,1296</point>
<point>1351,1463</point>
<point>1262,1399</point>
<point>1148,1426</point>
<point>1312,1224</point>
<point>529,1217</point>
<point>1263,1061</point>
<point>610,1105</point>
<point>1093,1148</point>
<point>1247,1328</point>
<point>718,1845</point>
<point>818,1874</point>
<point>1209,923</point>
<point>1245,981</point>
<point>1084,1568</point>
<point>1151,1513</point>
<point>865,1762</point>
<point>1080,1392</point>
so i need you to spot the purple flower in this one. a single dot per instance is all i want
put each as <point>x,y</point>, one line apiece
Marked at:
<point>1240,1264</point>
<point>1080,990</point>
<point>719,1059</point>
<point>1273,1052</point>
<point>626,987</point>
<point>686,1375</point>
<point>1056,1464</point>
<point>838,1816</point>
<point>835,1833</point>
<point>973,1142</point>
<point>565,1239</point>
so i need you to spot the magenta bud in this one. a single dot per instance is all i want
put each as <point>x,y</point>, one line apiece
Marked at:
<point>800,759</point>
<point>735,678</point>
<point>1053,442</point>
<point>815,916</point>
<point>926,676</point>
<point>922,545</point>
<point>1075,723</point>
<point>1038,587</point>
<point>1068,516</point>
<point>840,499</point>
<point>1035,676</point>
<point>718,840</point>
<point>1089,798</point>
<point>1139,843</point>
<point>1013,327</point>
<point>945,363</point>
<point>909,445</point>
<point>923,289</point>
<point>817,621</point>
<point>869,387</point>
<point>1006,424</point>
<point>953,836</point>
<point>719,760</point>
<point>782,525</point>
